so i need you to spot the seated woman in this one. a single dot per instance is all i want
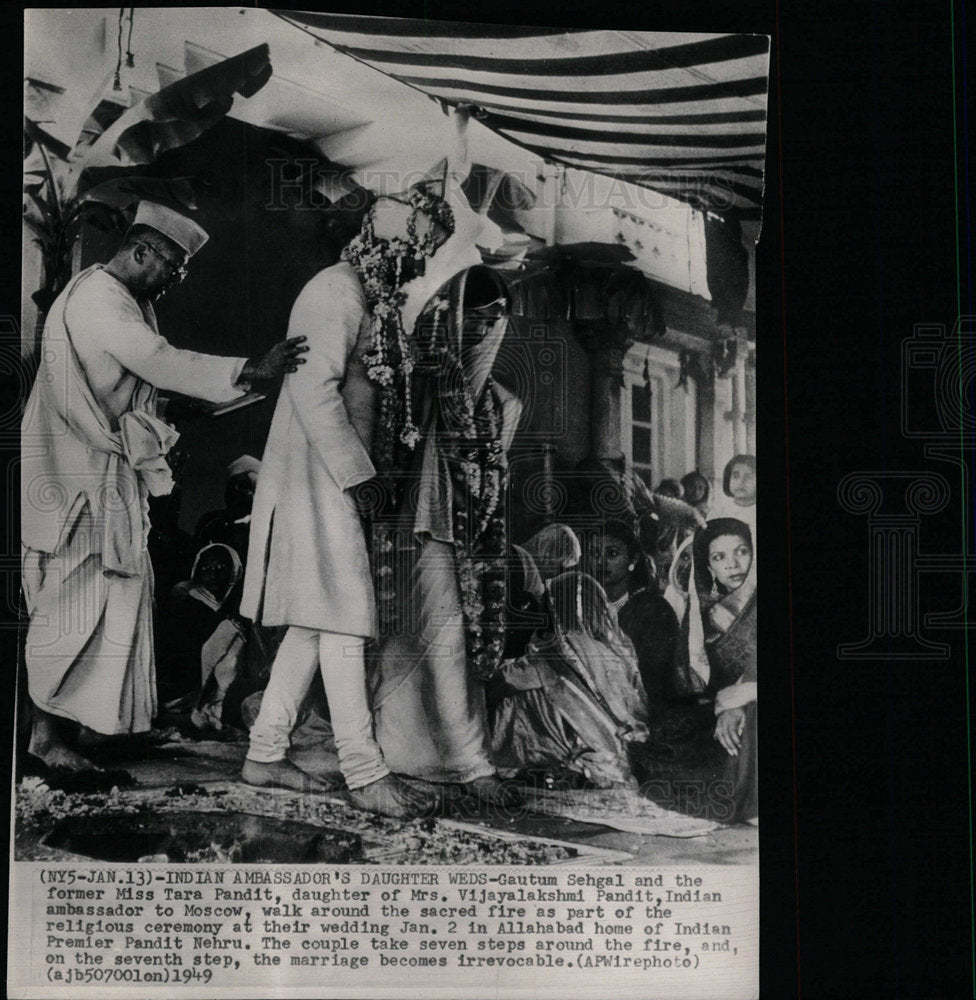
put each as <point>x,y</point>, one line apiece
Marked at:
<point>644,616</point>
<point>695,491</point>
<point>679,577</point>
<point>701,757</point>
<point>574,701</point>
<point>189,618</point>
<point>663,532</point>
<point>554,549</point>
<point>549,552</point>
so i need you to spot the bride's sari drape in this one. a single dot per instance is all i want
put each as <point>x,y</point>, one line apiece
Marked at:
<point>428,702</point>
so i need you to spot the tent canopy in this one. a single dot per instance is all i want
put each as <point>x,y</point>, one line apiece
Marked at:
<point>683,114</point>
<point>631,120</point>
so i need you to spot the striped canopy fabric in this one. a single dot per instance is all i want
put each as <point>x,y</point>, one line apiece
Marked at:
<point>683,114</point>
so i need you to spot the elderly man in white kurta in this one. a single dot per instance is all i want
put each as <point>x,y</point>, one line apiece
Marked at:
<point>93,450</point>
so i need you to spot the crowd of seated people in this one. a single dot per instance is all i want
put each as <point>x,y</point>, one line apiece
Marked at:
<point>203,647</point>
<point>632,677</point>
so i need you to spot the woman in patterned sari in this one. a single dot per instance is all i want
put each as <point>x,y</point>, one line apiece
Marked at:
<point>439,559</point>
<point>701,757</point>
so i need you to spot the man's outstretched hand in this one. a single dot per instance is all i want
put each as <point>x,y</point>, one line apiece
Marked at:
<point>282,359</point>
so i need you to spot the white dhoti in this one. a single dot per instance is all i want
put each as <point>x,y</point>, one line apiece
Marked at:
<point>89,649</point>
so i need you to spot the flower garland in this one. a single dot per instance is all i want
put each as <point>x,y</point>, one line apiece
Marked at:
<point>469,431</point>
<point>389,359</point>
<point>471,435</point>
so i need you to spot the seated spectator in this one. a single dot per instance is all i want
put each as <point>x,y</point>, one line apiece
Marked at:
<point>554,550</point>
<point>232,525</point>
<point>695,491</point>
<point>679,574</point>
<point>189,618</point>
<point>549,552</point>
<point>675,520</point>
<point>526,590</point>
<point>705,744</point>
<point>644,616</point>
<point>574,701</point>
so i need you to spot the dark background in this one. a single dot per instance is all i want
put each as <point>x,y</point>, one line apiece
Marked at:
<point>865,837</point>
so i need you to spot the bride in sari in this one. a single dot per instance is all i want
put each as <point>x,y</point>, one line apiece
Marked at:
<point>439,559</point>
<point>702,755</point>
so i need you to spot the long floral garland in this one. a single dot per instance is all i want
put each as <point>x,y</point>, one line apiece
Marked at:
<point>389,360</point>
<point>471,435</point>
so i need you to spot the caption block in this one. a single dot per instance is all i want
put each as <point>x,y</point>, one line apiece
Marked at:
<point>234,927</point>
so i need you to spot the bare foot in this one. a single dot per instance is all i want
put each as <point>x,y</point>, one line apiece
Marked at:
<point>63,758</point>
<point>426,797</point>
<point>491,790</point>
<point>388,796</point>
<point>47,743</point>
<point>281,774</point>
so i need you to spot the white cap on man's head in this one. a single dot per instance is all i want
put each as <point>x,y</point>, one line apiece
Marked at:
<point>184,232</point>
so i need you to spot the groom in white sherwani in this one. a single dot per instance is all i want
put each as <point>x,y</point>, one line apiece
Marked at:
<point>308,565</point>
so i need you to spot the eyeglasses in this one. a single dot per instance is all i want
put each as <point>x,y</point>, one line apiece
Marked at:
<point>178,271</point>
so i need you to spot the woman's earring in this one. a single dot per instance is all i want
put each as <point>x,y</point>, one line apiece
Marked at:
<point>631,567</point>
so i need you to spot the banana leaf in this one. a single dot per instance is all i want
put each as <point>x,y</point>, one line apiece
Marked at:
<point>180,112</point>
<point>100,186</point>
